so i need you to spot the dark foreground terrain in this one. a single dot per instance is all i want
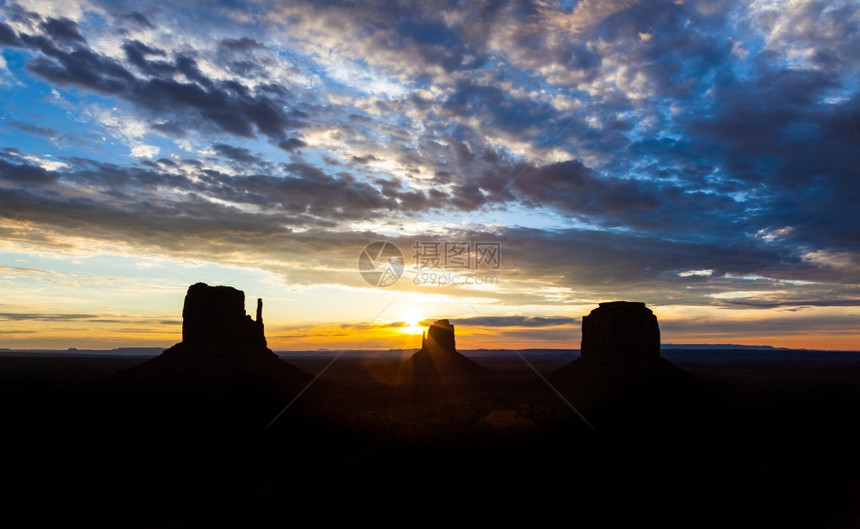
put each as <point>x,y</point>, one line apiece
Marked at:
<point>749,439</point>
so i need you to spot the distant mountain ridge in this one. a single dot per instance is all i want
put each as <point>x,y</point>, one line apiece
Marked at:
<point>74,351</point>
<point>726,346</point>
<point>154,351</point>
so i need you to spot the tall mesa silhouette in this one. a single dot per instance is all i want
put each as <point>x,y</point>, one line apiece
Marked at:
<point>223,355</point>
<point>620,341</point>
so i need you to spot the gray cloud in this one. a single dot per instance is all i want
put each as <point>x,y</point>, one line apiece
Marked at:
<point>513,321</point>
<point>24,173</point>
<point>65,58</point>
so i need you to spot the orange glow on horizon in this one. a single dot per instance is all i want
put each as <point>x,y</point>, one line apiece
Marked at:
<point>412,323</point>
<point>402,333</point>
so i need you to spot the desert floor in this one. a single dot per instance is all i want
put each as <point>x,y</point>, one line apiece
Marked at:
<point>751,439</point>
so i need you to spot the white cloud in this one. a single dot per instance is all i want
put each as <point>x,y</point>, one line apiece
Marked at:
<point>696,273</point>
<point>587,13</point>
<point>796,29</point>
<point>126,128</point>
<point>365,80</point>
<point>847,261</point>
<point>770,235</point>
<point>45,162</point>
<point>6,77</point>
<point>142,150</point>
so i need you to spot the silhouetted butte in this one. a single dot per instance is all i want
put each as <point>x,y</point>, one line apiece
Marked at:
<point>439,356</point>
<point>223,353</point>
<point>215,316</point>
<point>620,340</point>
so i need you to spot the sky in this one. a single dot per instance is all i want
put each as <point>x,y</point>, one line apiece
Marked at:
<point>510,164</point>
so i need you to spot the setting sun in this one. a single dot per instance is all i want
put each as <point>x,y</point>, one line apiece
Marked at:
<point>412,323</point>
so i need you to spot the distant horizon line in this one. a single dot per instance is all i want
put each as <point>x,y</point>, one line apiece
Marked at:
<point>693,346</point>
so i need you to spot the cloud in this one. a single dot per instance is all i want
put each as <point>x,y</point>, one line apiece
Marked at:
<point>129,203</point>
<point>291,144</point>
<point>810,34</point>
<point>31,128</point>
<point>513,321</point>
<point>8,37</point>
<point>605,161</point>
<point>696,273</point>
<point>795,302</point>
<point>12,316</point>
<point>65,58</point>
<point>21,172</point>
<point>136,19</point>
<point>240,155</point>
<point>792,148</point>
<point>301,217</point>
<point>22,270</point>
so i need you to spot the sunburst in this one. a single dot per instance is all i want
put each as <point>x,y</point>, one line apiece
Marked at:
<point>412,323</point>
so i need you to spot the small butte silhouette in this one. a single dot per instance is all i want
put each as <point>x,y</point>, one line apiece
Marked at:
<point>438,355</point>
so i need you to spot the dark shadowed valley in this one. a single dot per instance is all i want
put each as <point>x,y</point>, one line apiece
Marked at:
<point>226,433</point>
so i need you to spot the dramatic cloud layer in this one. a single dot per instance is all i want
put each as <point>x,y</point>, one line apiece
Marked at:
<point>691,154</point>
